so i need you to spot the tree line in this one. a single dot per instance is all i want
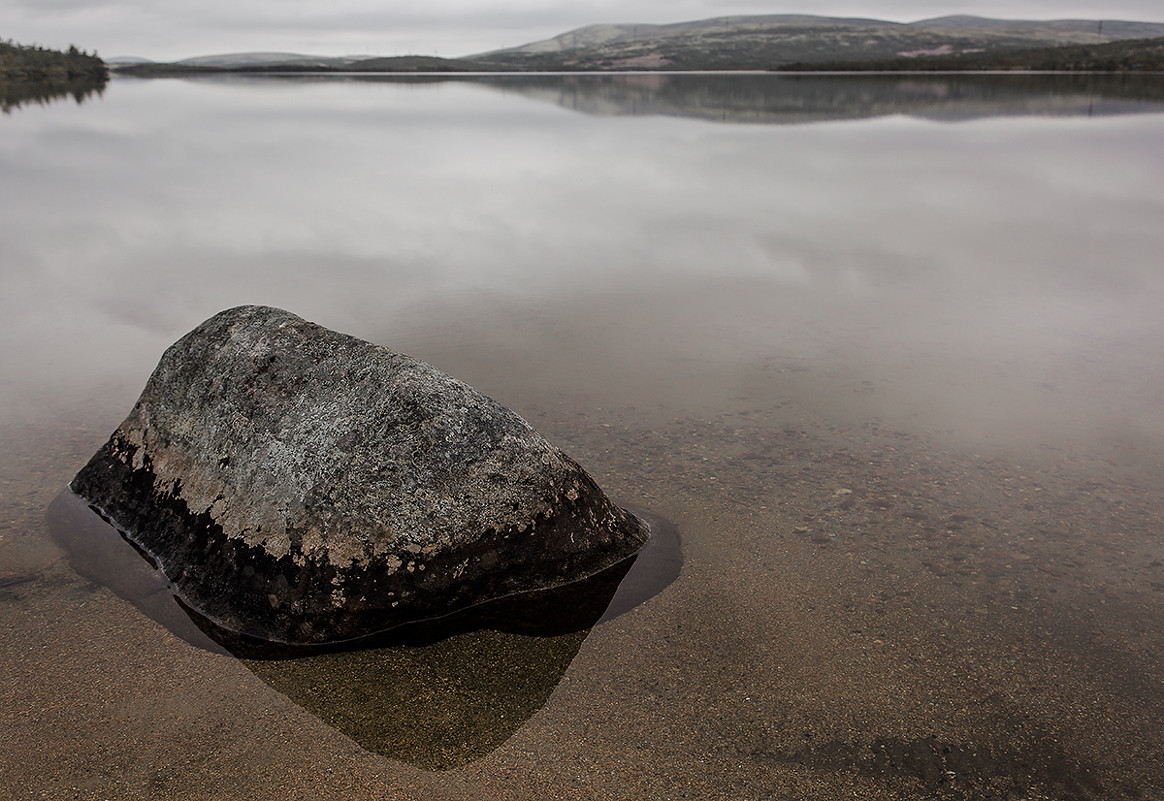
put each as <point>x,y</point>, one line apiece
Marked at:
<point>29,73</point>
<point>1129,55</point>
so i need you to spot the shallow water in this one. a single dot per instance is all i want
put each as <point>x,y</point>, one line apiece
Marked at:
<point>887,351</point>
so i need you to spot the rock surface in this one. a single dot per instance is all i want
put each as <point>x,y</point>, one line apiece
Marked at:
<point>304,486</point>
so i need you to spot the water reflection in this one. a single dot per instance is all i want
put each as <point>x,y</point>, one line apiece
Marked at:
<point>436,694</point>
<point>438,706</point>
<point>817,98</point>
<point>960,324</point>
<point>613,260</point>
<point>98,552</point>
<point>15,94</point>
<point>789,99</point>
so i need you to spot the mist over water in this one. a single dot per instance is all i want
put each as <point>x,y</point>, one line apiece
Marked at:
<point>888,352</point>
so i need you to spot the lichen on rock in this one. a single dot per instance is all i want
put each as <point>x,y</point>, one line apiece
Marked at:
<point>305,486</point>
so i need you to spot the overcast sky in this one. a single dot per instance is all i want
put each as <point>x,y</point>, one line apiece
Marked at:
<point>174,29</point>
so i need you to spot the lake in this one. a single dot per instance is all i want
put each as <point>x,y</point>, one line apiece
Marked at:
<point>887,352</point>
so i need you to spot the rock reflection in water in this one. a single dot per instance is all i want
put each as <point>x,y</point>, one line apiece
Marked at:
<point>97,551</point>
<point>435,694</point>
<point>436,706</point>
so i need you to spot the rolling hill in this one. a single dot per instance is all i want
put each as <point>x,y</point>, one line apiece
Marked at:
<point>774,41</point>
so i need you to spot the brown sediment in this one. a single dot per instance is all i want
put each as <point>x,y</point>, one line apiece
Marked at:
<point>954,625</point>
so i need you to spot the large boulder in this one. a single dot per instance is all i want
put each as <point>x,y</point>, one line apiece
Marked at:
<point>304,486</point>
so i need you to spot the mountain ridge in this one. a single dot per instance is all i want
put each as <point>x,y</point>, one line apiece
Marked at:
<point>740,42</point>
<point>774,40</point>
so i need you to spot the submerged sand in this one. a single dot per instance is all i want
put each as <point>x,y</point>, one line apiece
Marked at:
<point>862,610</point>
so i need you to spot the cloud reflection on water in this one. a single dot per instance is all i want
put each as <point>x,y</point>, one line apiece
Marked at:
<point>962,268</point>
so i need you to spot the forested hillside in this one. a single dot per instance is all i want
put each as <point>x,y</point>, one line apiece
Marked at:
<point>37,74</point>
<point>1137,55</point>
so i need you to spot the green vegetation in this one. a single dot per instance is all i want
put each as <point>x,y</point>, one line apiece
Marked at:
<point>1136,55</point>
<point>30,74</point>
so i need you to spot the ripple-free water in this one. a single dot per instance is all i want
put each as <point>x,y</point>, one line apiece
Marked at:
<point>887,350</point>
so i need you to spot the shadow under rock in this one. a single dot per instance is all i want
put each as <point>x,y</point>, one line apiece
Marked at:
<point>437,693</point>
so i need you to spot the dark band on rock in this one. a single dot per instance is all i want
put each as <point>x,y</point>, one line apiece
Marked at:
<point>304,486</point>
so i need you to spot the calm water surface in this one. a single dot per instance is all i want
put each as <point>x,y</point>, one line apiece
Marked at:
<point>887,351</point>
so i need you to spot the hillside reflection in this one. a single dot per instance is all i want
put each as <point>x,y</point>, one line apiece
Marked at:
<point>784,99</point>
<point>791,99</point>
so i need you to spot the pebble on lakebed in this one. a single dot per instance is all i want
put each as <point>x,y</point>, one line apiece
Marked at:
<point>304,486</point>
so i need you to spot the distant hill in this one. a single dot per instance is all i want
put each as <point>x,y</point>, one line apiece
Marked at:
<point>1107,30</point>
<point>293,62</point>
<point>771,42</point>
<point>611,36</point>
<point>269,59</point>
<point>120,60</point>
<point>774,41</point>
<point>420,64</point>
<point>1134,55</point>
<point>235,61</point>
